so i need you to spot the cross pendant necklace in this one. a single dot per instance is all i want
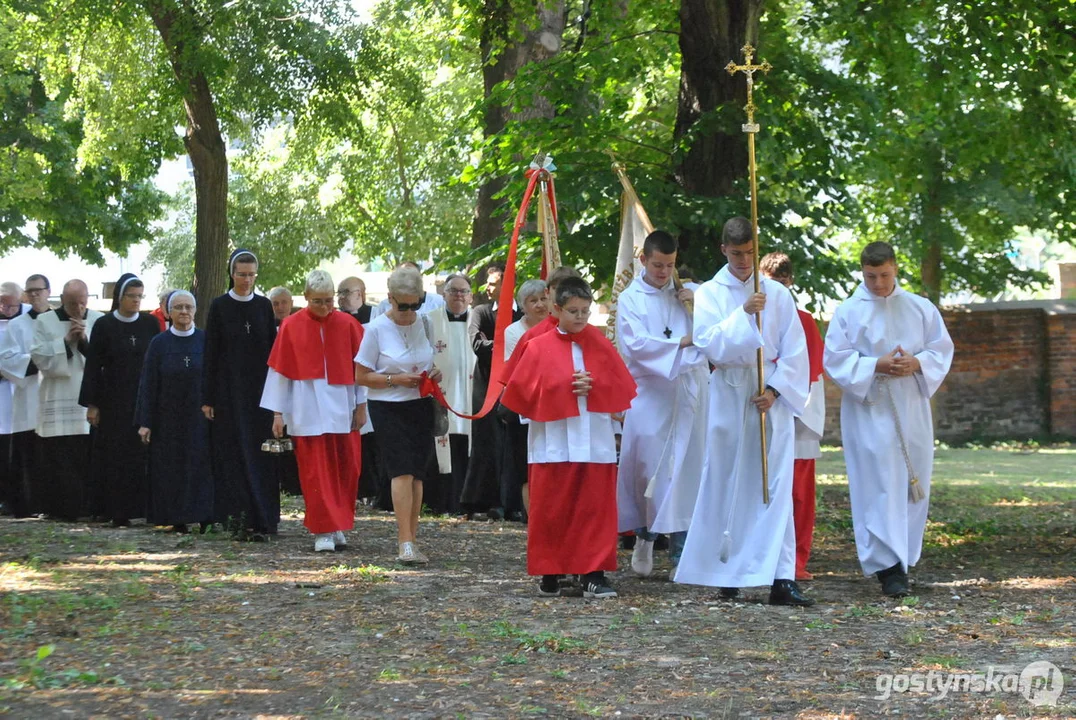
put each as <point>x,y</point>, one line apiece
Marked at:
<point>187,361</point>
<point>247,324</point>
<point>132,341</point>
<point>668,332</point>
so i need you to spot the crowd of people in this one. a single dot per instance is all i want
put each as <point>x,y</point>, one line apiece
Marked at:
<point>662,432</point>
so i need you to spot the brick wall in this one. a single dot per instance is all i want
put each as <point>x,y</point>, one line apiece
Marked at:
<point>1013,374</point>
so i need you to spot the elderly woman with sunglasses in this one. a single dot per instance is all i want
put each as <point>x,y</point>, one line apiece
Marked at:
<point>395,351</point>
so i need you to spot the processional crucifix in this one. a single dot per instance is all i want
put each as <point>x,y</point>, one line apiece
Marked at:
<point>751,127</point>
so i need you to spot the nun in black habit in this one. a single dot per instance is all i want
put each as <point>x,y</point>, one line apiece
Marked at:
<point>171,422</point>
<point>240,330</point>
<point>109,392</point>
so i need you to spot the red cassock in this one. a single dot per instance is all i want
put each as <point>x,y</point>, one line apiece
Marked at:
<point>329,464</point>
<point>803,471</point>
<point>572,528</point>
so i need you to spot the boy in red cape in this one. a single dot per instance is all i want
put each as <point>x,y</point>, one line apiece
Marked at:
<point>567,384</point>
<point>310,387</point>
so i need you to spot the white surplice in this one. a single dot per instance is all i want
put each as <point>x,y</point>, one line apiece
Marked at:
<point>811,423</point>
<point>453,356</point>
<point>586,438</point>
<point>664,441</point>
<point>59,413</point>
<point>311,407</point>
<point>888,527</point>
<point>14,364</point>
<point>760,538</point>
<point>7,389</point>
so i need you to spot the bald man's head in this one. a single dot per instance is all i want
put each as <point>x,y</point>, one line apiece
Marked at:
<point>74,298</point>
<point>351,294</point>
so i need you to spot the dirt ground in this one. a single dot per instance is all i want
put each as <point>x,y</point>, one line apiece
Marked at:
<point>142,623</point>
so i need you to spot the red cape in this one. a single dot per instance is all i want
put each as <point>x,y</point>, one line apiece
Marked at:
<point>300,354</point>
<point>815,346</point>
<point>540,387</point>
<point>550,323</point>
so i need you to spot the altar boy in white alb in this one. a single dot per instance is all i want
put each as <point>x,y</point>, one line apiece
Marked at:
<point>662,448</point>
<point>889,352</point>
<point>736,540</point>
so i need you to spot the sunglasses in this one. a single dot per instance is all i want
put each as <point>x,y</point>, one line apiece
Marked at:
<point>407,307</point>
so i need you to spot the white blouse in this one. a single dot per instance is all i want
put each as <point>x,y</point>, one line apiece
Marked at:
<point>391,348</point>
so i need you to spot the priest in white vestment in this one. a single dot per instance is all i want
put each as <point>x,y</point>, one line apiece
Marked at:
<point>18,369</point>
<point>664,440</point>
<point>11,307</point>
<point>454,357</point>
<point>889,352</point>
<point>737,540</point>
<point>60,344</point>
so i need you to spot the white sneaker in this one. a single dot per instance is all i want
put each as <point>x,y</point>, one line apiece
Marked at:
<point>420,557</point>
<point>642,557</point>
<point>407,554</point>
<point>340,539</point>
<point>324,543</point>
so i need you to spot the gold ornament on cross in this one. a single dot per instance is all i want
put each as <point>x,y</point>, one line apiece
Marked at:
<point>749,70</point>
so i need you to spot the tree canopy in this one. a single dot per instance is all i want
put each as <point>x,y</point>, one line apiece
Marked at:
<point>943,127</point>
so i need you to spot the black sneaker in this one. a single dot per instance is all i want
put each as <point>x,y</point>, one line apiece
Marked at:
<point>894,581</point>
<point>596,586</point>
<point>549,586</point>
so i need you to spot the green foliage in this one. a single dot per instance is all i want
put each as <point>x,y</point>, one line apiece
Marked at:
<point>49,196</point>
<point>968,109</point>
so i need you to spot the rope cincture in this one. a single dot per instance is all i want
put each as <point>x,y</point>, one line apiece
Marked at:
<point>915,490</point>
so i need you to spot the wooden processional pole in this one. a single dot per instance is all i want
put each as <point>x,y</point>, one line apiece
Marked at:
<point>751,128</point>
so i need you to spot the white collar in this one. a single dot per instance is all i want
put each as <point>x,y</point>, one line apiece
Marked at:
<point>864,294</point>
<point>116,314</point>
<point>648,288</point>
<point>182,333</point>
<point>241,298</point>
<point>725,277</point>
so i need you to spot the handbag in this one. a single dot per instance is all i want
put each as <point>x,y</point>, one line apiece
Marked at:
<point>440,413</point>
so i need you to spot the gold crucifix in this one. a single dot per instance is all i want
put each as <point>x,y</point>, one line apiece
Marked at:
<point>749,70</point>
<point>751,127</point>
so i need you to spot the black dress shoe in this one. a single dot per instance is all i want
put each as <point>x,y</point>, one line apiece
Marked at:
<point>894,581</point>
<point>729,593</point>
<point>787,592</point>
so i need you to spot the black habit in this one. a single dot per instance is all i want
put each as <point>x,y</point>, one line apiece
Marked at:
<point>239,337</point>
<point>169,404</point>
<point>482,486</point>
<point>110,383</point>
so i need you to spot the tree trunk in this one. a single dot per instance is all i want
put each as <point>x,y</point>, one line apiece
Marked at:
<point>539,42</point>
<point>712,32</point>
<point>207,151</point>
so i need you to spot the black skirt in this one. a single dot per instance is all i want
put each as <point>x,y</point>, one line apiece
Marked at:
<point>404,435</point>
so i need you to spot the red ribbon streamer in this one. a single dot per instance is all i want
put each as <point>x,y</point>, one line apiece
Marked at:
<point>504,307</point>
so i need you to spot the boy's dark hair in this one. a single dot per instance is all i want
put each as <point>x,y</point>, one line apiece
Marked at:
<point>737,231</point>
<point>877,253</point>
<point>572,287</point>
<point>495,266</point>
<point>558,276</point>
<point>775,265</point>
<point>660,241</point>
